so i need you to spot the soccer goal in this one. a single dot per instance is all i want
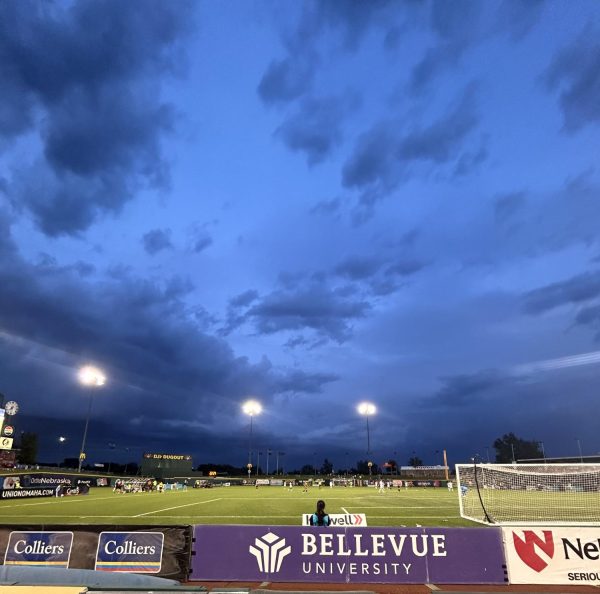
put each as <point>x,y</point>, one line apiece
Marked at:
<point>512,494</point>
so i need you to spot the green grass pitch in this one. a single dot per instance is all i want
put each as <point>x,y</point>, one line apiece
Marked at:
<point>239,505</point>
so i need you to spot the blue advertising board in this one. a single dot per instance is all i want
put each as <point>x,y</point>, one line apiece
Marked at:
<point>140,552</point>
<point>349,555</point>
<point>39,549</point>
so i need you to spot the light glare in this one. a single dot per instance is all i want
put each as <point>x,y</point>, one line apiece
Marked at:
<point>366,408</point>
<point>252,407</point>
<point>91,376</point>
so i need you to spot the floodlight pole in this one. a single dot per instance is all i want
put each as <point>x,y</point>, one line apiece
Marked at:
<point>91,377</point>
<point>580,453</point>
<point>87,422</point>
<point>250,444</point>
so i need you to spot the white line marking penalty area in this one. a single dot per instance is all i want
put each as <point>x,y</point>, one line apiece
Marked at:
<point>157,511</point>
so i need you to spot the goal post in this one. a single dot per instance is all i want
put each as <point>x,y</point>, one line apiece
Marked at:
<point>531,494</point>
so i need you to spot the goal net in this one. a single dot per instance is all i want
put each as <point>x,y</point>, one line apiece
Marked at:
<point>550,494</point>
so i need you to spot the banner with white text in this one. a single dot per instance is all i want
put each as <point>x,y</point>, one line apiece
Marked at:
<point>553,555</point>
<point>348,555</point>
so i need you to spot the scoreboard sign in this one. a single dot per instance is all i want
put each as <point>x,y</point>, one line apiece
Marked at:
<point>167,457</point>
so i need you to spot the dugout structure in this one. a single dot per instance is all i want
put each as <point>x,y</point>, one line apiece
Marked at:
<point>530,494</point>
<point>163,466</point>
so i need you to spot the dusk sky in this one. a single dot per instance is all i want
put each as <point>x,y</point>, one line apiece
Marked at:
<point>308,203</point>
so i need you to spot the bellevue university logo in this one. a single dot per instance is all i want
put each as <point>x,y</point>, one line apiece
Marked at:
<point>270,552</point>
<point>526,548</point>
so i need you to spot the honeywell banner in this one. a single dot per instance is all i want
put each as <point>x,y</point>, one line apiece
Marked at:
<point>553,555</point>
<point>340,519</point>
<point>347,555</point>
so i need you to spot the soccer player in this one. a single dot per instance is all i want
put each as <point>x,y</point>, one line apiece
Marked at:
<point>450,486</point>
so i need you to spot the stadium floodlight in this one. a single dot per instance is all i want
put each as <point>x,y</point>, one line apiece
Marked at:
<point>251,408</point>
<point>91,377</point>
<point>367,409</point>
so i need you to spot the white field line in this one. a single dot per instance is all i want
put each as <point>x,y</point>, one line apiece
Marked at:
<point>232,517</point>
<point>156,511</point>
<point>345,510</point>
<point>54,500</point>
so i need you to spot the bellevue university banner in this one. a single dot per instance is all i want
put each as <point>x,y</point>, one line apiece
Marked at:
<point>346,555</point>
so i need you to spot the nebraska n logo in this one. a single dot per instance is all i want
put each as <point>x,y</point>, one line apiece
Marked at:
<point>269,552</point>
<point>526,549</point>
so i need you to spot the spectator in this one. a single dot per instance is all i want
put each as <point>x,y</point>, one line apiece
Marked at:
<point>320,518</point>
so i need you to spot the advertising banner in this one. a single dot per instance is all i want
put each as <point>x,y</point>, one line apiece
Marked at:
<point>39,549</point>
<point>553,555</point>
<point>340,519</point>
<point>161,550</point>
<point>347,555</point>
<point>27,493</point>
<point>140,552</point>
<point>39,480</point>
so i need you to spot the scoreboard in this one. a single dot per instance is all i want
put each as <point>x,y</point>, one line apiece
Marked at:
<point>163,465</point>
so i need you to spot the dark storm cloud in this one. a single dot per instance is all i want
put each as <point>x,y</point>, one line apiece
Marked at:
<point>529,224</point>
<point>315,128</point>
<point>287,79</point>
<point>307,383</point>
<point>202,240</point>
<point>461,390</point>
<point>405,267</point>
<point>358,268</point>
<point>508,205</point>
<point>97,92</point>
<point>577,289</point>
<point>382,155</point>
<point>236,310</point>
<point>316,307</point>
<point>575,73</point>
<point>590,317</point>
<point>518,17</point>
<point>165,373</point>
<point>457,26</point>
<point>378,275</point>
<point>327,207</point>
<point>352,19</point>
<point>439,141</point>
<point>157,240</point>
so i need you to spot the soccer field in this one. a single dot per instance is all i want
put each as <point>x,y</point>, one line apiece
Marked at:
<point>239,505</point>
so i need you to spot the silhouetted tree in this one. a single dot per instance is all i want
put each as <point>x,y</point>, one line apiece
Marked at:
<point>327,467</point>
<point>522,448</point>
<point>415,461</point>
<point>391,467</point>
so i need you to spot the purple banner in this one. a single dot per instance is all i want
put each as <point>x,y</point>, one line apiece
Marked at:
<point>346,555</point>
